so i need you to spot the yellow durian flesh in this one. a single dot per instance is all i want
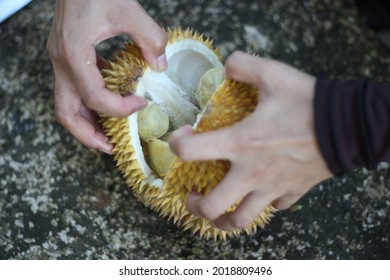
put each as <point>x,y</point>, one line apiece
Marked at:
<point>160,156</point>
<point>153,122</point>
<point>208,84</point>
<point>189,57</point>
<point>173,100</point>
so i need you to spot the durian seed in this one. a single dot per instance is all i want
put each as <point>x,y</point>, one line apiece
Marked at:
<point>153,122</point>
<point>160,156</point>
<point>208,84</point>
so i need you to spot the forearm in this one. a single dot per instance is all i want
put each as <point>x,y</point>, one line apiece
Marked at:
<point>352,122</point>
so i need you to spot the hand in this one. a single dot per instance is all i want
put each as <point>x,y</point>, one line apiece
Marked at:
<point>78,26</point>
<point>274,155</point>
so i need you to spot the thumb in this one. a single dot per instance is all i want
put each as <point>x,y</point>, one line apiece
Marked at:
<point>267,75</point>
<point>153,48</point>
<point>149,36</point>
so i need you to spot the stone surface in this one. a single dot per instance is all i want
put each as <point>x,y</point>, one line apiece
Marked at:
<point>59,200</point>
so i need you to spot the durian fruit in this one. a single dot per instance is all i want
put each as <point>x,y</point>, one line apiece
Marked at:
<point>193,90</point>
<point>153,122</point>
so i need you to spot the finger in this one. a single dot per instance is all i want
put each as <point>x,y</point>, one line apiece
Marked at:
<point>247,211</point>
<point>245,68</point>
<point>81,124</point>
<point>230,190</point>
<point>217,144</point>
<point>96,96</point>
<point>74,116</point>
<point>150,37</point>
<point>266,74</point>
<point>92,117</point>
<point>86,132</point>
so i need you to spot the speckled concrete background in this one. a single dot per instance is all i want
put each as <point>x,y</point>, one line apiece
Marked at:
<point>59,200</point>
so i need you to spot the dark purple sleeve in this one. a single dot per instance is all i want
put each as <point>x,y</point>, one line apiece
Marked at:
<point>352,123</point>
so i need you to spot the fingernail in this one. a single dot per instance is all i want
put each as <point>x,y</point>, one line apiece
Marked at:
<point>106,148</point>
<point>161,62</point>
<point>103,145</point>
<point>140,102</point>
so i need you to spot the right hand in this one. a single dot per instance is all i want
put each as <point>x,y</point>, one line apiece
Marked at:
<point>274,155</point>
<point>78,26</point>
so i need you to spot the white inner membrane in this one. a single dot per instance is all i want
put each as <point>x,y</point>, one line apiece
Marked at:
<point>173,91</point>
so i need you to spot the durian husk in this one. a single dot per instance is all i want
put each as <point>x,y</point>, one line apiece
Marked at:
<point>231,102</point>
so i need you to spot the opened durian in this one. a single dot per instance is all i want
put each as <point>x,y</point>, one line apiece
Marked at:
<point>193,90</point>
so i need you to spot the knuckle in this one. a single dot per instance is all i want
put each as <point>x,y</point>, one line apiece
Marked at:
<point>53,51</point>
<point>66,52</point>
<point>257,175</point>
<point>158,40</point>
<point>61,52</point>
<point>240,141</point>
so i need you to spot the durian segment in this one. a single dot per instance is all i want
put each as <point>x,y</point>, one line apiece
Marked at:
<point>189,57</point>
<point>153,122</point>
<point>160,156</point>
<point>208,84</point>
<point>160,88</point>
<point>178,70</point>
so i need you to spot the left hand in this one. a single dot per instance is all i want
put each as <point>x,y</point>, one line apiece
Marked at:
<point>274,155</point>
<point>79,90</point>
